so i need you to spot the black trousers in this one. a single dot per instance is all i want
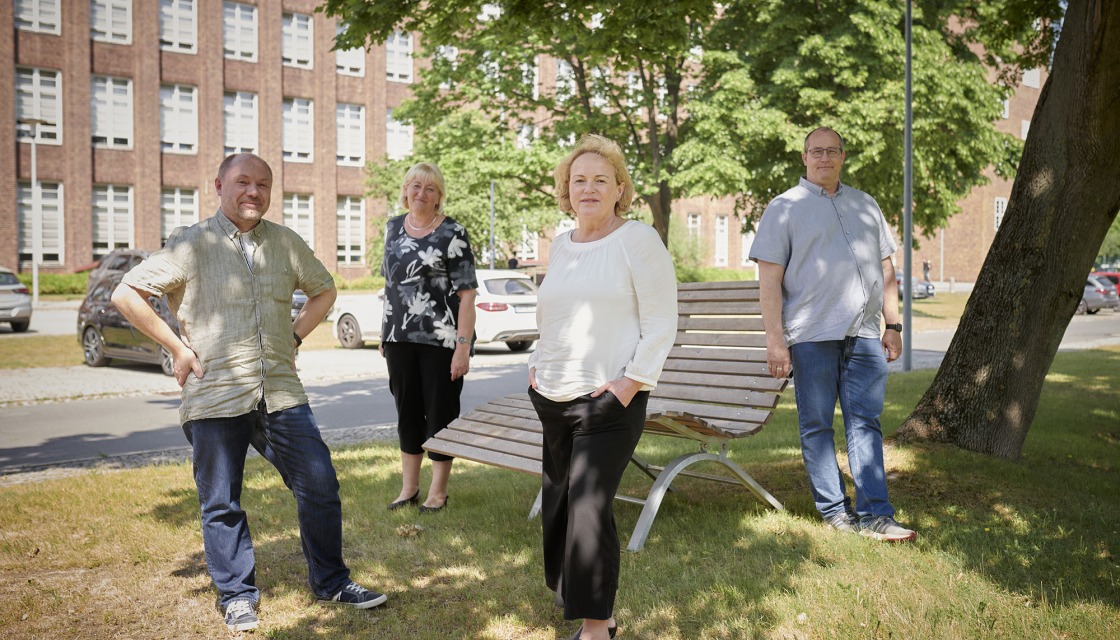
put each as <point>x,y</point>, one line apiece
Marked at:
<point>587,445</point>
<point>427,399</point>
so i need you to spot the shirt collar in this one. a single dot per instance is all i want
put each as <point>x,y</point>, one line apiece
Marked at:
<point>818,190</point>
<point>231,229</point>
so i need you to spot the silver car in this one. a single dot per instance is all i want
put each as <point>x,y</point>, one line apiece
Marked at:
<point>15,301</point>
<point>1099,294</point>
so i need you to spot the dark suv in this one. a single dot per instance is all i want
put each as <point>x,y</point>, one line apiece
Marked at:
<point>105,333</point>
<point>116,263</point>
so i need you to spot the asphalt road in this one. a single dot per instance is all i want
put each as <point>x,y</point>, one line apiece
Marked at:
<point>52,416</point>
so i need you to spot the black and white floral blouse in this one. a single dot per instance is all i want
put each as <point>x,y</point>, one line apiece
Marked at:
<point>422,277</point>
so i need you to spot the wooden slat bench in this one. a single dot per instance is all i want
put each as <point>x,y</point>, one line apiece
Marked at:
<point>714,388</point>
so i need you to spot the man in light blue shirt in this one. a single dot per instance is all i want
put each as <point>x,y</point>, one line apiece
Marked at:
<point>826,282</point>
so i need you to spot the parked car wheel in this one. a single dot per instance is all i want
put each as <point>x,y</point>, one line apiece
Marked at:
<point>166,362</point>
<point>1091,311</point>
<point>349,333</point>
<point>518,345</point>
<point>93,348</point>
<point>1082,307</point>
<point>20,327</point>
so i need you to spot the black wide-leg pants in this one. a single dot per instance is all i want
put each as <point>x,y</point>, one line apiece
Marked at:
<point>587,445</point>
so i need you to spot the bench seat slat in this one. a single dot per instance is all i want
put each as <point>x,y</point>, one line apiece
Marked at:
<point>699,378</point>
<point>718,353</point>
<point>485,456</point>
<point>756,340</point>
<point>492,425</point>
<point>481,441</point>
<point>721,367</point>
<point>718,308</point>
<point>719,396</point>
<point>720,323</point>
<point>740,415</point>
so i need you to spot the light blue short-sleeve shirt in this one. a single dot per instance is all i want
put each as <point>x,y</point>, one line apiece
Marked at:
<point>832,248</point>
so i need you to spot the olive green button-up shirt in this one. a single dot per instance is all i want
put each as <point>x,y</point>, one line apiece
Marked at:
<point>237,318</point>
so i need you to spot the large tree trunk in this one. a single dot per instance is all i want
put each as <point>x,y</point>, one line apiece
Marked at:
<point>1065,196</point>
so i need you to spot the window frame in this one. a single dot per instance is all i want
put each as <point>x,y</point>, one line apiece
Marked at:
<point>33,16</point>
<point>52,216</point>
<point>297,45</point>
<point>240,115</point>
<point>178,18</point>
<point>398,50</point>
<point>109,31</point>
<point>350,136</point>
<point>297,130</point>
<point>111,210</point>
<point>181,214</point>
<point>107,124</point>
<point>171,139</point>
<point>348,229</point>
<point>235,29</point>
<point>39,98</point>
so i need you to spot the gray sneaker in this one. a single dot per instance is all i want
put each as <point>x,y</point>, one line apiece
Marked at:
<point>886,529</point>
<point>844,521</point>
<point>241,615</point>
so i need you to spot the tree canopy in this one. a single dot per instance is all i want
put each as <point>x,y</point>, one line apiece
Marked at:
<point>714,99</point>
<point>774,70</point>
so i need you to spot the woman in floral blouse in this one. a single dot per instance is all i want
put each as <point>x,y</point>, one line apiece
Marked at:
<point>428,326</point>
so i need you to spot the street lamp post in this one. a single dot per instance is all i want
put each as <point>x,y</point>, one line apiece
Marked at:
<point>36,211</point>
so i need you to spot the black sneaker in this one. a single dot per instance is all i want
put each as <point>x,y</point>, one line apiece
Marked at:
<point>357,596</point>
<point>844,521</point>
<point>241,615</point>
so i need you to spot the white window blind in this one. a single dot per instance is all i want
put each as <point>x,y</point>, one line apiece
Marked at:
<point>178,26</point>
<point>111,112</point>
<point>398,138</point>
<point>111,21</point>
<point>177,208</point>
<point>42,16</point>
<point>722,240</point>
<point>349,62</point>
<point>239,31</point>
<point>350,122</point>
<point>239,122</point>
<point>297,216</point>
<point>39,96</point>
<point>398,57</point>
<point>112,218</point>
<point>51,220</point>
<point>351,225</point>
<point>297,135</point>
<point>178,118</point>
<point>296,31</point>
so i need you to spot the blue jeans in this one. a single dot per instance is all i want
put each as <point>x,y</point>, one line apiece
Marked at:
<point>290,440</point>
<point>853,370</point>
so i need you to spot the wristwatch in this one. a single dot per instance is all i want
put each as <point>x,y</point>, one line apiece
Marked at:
<point>462,340</point>
<point>896,326</point>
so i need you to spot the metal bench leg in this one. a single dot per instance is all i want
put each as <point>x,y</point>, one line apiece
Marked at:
<point>536,509</point>
<point>670,472</point>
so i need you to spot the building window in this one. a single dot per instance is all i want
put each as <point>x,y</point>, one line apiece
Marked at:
<point>39,97</point>
<point>527,249</point>
<point>111,21</point>
<point>721,241</point>
<point>177,208</point>
<point>239,122</point>
<point>1032,78</point>
<point>51,230</point>
<point>297,135</point>
<point>178,118</point>
<point>446,56</point>
<point>41,16</point>
<point>350,121</point>
<point>565,80</point>
<point>694,226</point>
<point>296,40</point>
<point>526,134</point>
<point>112,218</point>
<point>1024,128</point>
<point>747,239</point>
<point>531,76</point>
<point>111,112</point>
<point>1000,208</point>
<point>398,57</point>
<point>297,216</point>
<point>351,230</point>
<point>351,62</point>
<point>178,26</point>
<point>239,31</point>
<point>1005,109</point>
<point>398,138</point>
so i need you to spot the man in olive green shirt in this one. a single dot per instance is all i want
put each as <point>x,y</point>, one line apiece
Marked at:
<point>229,280</point>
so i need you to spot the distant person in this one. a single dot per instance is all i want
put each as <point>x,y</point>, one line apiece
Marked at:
<point>926,266</point>
<point>607,314</point>
<point>512,263</point>
<point>826,282</point>
<point>229,280</point>
<point>428,328</point>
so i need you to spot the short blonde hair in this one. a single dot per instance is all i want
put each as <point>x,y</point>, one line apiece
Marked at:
<point>427,172</point>
<point>610,152</point>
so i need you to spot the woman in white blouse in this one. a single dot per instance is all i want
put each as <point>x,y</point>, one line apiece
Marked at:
<point>607,315</point>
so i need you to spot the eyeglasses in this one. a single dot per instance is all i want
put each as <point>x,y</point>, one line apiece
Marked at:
<point>818,152</point>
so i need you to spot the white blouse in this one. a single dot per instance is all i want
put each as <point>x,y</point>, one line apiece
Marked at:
<point>606,308</point>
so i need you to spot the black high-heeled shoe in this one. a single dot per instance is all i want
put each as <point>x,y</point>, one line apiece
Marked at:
<point>393,506</point>
<point>427,509</point>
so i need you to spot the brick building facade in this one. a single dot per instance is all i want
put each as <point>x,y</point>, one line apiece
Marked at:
<point>144,99</point>
<point>148,97</point>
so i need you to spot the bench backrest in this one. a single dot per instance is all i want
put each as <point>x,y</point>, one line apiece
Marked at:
<point>717,367</point>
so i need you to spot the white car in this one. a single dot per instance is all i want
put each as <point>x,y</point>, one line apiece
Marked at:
<point>505,311</point>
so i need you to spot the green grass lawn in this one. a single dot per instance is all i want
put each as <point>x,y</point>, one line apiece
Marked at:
<point>1024,549</point>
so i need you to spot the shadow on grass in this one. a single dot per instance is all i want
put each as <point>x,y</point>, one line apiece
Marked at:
<point>1042,529</point>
